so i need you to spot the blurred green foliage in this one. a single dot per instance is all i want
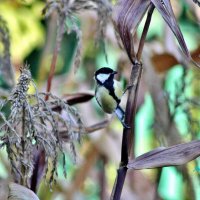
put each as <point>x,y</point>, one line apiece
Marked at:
<point>26,30</point>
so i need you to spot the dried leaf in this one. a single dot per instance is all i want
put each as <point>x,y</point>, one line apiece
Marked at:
<point>75,98</point>
<point>78,97</point>
<point>19,192</point>
<point>163,62</point>
<point>196,55</point>
<point>127,16</point>
<point>165,9</point>
<point>175,155</point>
<point>38,170</point>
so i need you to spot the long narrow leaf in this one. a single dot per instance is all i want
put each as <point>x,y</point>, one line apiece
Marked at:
<point>165,9</point>
<point>170,156</point>
<point>127,16</point>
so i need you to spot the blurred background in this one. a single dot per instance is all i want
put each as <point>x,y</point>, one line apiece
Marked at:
<point>168,103</point>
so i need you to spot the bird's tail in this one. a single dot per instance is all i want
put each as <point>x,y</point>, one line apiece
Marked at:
<point>120,114</point>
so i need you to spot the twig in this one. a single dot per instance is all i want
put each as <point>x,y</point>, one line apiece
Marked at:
<point>97,126</point>
<point>23,168</point>
<point>88,129</point>
<point>52,69</point>
<point>54,59</point>
<point>145,30</point>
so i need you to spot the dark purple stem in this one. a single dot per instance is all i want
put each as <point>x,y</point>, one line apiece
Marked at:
<point>129,134</point>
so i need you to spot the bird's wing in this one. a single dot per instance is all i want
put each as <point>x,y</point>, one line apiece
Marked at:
<point>118,89</point>
<point>120,113</point>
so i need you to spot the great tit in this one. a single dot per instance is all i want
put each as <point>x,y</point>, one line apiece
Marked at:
<point>108,92</point>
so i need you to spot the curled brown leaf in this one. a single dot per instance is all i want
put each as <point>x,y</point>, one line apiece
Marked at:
<point>167,156</point>
<point>127,17</point>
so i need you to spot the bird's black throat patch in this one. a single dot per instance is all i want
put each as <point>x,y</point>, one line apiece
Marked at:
<point>109,85</point>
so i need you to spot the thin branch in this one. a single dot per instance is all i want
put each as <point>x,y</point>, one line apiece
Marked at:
<point>23,168</point>
<point>88,129</point>
<point>52,70</point>
<point>145,30</point>
<point>97,126</point>
<point>54,59</point>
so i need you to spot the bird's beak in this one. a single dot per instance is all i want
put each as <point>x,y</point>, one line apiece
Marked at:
<point>114,72</point>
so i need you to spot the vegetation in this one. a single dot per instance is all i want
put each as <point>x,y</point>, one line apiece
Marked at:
<point>55,141</point>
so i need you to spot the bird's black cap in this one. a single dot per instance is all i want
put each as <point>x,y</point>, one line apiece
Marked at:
<point>105,70</point>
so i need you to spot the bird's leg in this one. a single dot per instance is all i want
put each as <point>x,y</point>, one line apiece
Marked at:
<point>130,86</point>
<point>120,114</point>
<point>127,88</point>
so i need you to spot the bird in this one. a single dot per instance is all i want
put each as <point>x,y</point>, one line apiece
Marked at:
<point>108,92</point>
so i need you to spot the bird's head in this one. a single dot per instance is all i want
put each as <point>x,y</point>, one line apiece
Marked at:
<point>104,74</point>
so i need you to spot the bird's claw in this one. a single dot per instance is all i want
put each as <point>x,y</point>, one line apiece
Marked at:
<point>128,88</point>
<point>125,125</point>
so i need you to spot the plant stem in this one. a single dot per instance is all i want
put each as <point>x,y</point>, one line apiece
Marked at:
<point>23,168</point>
<point>52,70</point>
<point>40,158</point>
<point>145,30</point>
<point>128,134</point>
<point>54,59</point>
<point>119,183</point>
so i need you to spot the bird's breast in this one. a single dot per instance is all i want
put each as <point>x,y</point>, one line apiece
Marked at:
<point>105,100</point>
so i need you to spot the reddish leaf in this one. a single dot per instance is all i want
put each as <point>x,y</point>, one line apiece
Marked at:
<point>75,99</point>
<point>196,55</point>
<point>170,156</point>
<point>78,97</point>
<point>163,62</point>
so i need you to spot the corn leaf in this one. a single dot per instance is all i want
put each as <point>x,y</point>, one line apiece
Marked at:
<point>167,156</point>
<point>127,16</point>
<point>165,9</point>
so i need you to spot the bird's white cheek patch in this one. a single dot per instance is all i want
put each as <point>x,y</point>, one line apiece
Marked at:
<point>102,77</point>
